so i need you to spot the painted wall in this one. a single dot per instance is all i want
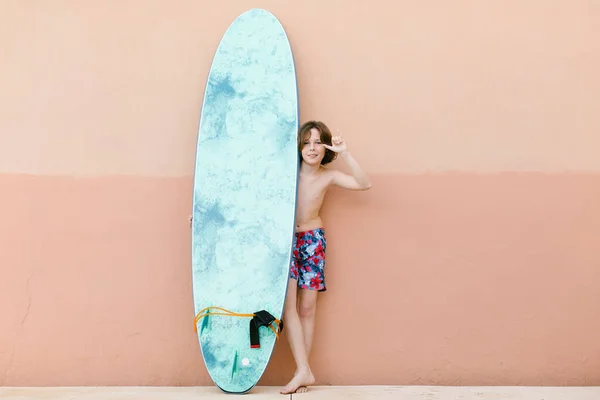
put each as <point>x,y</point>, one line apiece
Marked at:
<point>473,259</point>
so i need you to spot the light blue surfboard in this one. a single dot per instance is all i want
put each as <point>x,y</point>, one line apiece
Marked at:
<point>244,196</point>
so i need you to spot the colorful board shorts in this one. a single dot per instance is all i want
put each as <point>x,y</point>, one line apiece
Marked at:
<point>308,259</point>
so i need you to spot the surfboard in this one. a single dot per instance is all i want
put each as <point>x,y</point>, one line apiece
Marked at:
<point>244,199</point>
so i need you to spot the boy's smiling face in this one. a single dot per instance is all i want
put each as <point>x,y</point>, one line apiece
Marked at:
<point>313,150</point>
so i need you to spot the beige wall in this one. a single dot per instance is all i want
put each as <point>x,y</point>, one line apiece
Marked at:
<point>473,260</point>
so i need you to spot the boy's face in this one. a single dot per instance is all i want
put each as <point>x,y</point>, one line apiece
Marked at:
<point>313,150</point>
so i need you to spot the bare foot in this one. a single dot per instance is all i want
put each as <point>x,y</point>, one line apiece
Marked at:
<point>299,383</point>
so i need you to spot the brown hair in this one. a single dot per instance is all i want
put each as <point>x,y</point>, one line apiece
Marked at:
<point>325,134</point>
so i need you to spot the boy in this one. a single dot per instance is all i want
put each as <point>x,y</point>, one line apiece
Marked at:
<point>317,148</point>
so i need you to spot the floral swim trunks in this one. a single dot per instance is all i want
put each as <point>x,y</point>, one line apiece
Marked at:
<point>308,259</point>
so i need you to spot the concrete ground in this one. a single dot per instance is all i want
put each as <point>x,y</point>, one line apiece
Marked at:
<point>317,392</point>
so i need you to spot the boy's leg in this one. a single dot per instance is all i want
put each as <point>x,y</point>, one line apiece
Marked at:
<point>293,326</point>
<point>307,310</point>
<point>303,375</point>
<point>313,266</point>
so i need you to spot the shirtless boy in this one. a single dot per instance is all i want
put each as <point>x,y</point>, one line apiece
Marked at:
<point>317,148</point>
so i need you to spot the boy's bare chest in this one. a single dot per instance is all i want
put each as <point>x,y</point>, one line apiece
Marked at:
<point>310,190</point>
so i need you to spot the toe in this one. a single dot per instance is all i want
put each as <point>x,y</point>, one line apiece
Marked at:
<point>302,389</point>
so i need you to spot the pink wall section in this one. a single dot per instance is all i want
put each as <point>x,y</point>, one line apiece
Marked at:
<point>473,259</point>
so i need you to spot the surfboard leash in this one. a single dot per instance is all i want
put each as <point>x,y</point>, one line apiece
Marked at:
<point>258,319</point>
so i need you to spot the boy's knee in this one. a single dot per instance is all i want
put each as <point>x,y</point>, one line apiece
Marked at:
<point>307,311</point>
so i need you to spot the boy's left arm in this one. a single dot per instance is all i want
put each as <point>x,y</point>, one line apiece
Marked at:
<point>358,180</point>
